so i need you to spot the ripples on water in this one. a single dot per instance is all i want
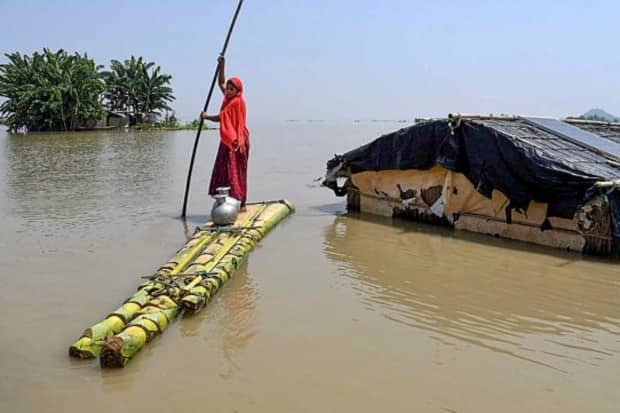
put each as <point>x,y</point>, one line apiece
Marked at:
<point>70,178</point>
<point>83,215</point>
<point>548,308</point>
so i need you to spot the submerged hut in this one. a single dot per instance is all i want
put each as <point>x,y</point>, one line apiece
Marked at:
<point>116,119</point>
<point>539,180</point>
<point>111,119</point>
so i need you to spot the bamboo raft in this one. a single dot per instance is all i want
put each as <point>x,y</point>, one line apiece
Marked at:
<point>186,283</point>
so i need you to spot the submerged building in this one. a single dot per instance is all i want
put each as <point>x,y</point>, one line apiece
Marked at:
<point>539,180</point>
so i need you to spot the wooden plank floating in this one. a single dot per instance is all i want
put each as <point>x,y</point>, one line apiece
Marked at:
<point>186,283</point>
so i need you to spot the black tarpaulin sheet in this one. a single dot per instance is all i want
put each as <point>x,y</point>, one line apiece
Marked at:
<point>489,158</point>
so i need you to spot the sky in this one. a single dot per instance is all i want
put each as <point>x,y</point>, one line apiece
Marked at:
<point>350,60</point>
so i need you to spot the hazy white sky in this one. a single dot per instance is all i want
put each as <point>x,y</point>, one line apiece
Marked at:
<point>345,60</point>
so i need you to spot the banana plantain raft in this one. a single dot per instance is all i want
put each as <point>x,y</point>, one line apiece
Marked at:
<point>186,283</point>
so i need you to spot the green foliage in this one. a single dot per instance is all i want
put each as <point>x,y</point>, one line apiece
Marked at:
<point>50,91</point>
<point>195,124</point>
<point>59,91</point>
<point>137,87</point>
<point>170,120</point>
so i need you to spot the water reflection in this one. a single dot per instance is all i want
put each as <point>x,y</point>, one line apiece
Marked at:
<point>60,178</point>
<point>545,308</point>
<point>233,316</point>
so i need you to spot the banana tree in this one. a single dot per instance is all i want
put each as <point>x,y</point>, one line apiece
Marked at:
<point>138,88</point>
<point>50,91</point>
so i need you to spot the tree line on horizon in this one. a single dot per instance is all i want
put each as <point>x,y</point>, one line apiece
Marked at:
<point>58,91</point>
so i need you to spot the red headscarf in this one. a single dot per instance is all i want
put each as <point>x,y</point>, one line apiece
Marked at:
<point>233,131</point>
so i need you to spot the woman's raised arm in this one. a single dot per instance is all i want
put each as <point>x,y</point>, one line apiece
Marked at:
<point>221,76</point>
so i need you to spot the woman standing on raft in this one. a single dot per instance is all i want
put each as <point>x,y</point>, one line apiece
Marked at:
<point>231,164</point>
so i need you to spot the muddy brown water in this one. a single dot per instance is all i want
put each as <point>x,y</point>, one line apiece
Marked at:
<point>332,312</point>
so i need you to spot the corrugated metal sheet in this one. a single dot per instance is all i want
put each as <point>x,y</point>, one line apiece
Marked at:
<point>578,136</point>
<point>559,149</point>
<point>610,131</point>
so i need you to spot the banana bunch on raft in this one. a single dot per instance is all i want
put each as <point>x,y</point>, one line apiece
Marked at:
<point>185,284</point>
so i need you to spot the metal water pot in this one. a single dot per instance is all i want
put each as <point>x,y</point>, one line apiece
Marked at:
<point>225,209</point>
<point>226,191</point>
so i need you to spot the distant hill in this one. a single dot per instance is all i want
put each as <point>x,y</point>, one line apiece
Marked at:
<point>599,114</point>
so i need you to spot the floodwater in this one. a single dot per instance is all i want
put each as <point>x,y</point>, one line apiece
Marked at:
<point>332,312</point>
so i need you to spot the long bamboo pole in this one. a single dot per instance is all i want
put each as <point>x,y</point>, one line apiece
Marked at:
<point>215,75</point>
